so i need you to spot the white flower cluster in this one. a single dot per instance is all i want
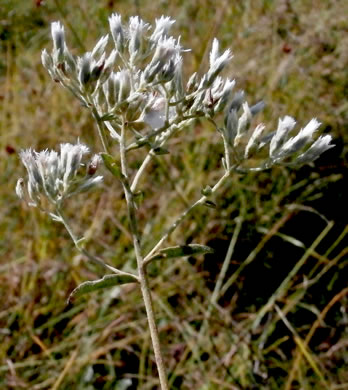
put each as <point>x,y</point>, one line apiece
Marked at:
<point>56,176</point>
<point>148,91</point>
<point>283,148</point>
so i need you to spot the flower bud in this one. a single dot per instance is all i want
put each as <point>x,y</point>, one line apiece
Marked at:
<point>254,140</point>
<point>217,63</point>
<point>256,108</point>
<point>321,145</point>
<point>163,25</point>
<point>224,96</point>
<point>84,65</point>
<point>125,85</point>
<point>136,32</point>
<point>296,143</point>
<point>231,125</point>
<point>284,127</point>
<point>243,123</point>
<point>117,31</point>
<point>99,48</point>
<point>58,37</point>
<point>93,165</point>
<point>19,188</point>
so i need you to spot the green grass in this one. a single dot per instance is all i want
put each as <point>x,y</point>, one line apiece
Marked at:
<point>281,322</point>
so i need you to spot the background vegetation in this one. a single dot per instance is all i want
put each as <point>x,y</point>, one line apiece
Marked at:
<point>281,318</point>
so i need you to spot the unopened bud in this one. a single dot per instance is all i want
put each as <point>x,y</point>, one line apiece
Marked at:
<point>19,188</point>
<point>93,165</point>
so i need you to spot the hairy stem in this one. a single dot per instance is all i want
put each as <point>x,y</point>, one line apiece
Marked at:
<point>144,284</point>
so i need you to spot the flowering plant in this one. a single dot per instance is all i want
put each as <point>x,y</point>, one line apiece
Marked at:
<point>139,99</point>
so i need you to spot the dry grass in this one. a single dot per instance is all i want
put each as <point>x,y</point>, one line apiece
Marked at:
<point>281,322</point>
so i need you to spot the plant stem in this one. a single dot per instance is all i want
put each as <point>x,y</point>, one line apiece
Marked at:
<point>101,130</point>
<point>144,284</point>
<point>178,221</point>
<point>89,256</point>
<point>227,154</point>
<point>141,170</point>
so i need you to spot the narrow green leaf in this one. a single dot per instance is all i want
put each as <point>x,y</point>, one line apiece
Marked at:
<point>141,142</point>
<point>210,204</point>
<point>108,116</point>
<point>160,151</point>
<point>105,282</point>
<point>182,251</point>
<point>112,165</point>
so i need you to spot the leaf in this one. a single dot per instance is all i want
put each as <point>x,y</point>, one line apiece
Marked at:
<point>112,165</point>
<point>160,151</point>
<point>107,117</point>
<point>105,282</point>
<point>210,204</point>
<point>182,251</point>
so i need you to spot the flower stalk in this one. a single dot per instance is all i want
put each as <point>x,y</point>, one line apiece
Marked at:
<point>144,284</point>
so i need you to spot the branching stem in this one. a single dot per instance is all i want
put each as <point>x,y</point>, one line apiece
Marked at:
<point>183,216</point>
<point>144,284</point>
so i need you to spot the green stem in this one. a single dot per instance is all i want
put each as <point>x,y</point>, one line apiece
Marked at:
<point>141,170</point>
<point>101,130</point>
<point>144,284</point>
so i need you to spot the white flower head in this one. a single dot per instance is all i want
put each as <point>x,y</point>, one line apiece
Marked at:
<point>163,25</point>
<point>243,123</point>
<point>84,64</point>
<point>58,36</point>
<point>53,175</point>
<point>117,32</point>
<point>214,53</point>
<point>217,63</point>
<point>321,145</point>
<point>137,26</point>
<point>137,30</point>
<point>166,48</point>
<point>99,48</point>
<point>303,138</point>
<point>285,125</point>
<point>254,140</point>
